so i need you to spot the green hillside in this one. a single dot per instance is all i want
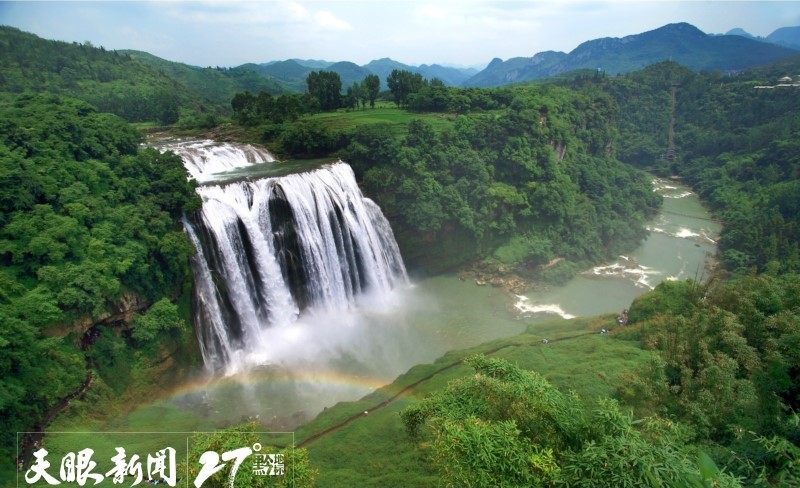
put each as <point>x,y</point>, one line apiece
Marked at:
<point>109,80</point>
<point>734,143</point>
<point>219,85</point>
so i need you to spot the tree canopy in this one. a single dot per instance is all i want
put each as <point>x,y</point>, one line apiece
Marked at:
<point>86,217</point>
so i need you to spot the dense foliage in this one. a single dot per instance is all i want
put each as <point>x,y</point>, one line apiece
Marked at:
<point>86,218</point>
<point>326,87</point>
<point>109,80</point>
<point>735,144</point>
<point>505,426</point>
<point>728,366</point>
<point>217,84</point>
<point>532,180</point>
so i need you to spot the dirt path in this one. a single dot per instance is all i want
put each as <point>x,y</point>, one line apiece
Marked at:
<point>406,390</point>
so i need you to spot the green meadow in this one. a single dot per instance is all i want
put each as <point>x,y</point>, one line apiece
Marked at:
<point>383,113</point>
<point>364,444</point>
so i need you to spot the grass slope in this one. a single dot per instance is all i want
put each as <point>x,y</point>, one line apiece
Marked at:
<point>354,448</point>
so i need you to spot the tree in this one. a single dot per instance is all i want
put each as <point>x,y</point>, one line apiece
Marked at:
<point>372,88</point>
<point>325,86</point>
<point>354,96</point>
<point>403,84</point>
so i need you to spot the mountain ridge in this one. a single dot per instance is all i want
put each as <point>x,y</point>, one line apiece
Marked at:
<point>681,42</point>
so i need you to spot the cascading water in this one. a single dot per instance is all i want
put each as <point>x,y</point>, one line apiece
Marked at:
<point>206,159</point>
<point>274,251</point>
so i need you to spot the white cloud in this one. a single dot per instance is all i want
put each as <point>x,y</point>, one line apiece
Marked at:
<point>223,13</point>
<point>328,20</point>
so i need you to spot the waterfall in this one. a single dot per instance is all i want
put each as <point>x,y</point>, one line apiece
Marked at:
<point>205,159</point>
<point>273,250</point>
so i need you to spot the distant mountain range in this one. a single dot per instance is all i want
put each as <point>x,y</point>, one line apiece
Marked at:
<point>293,72</point>
<point>785,36</point>
<point>680,42</point>
<point>106,78</point>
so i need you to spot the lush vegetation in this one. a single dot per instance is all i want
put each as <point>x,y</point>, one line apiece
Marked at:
<point>217,84</point>
<point>532,179</point>
<point>576,359</point>
<point>726,370</point>
<point>505,426</point>
<point>88,221</point>
<point>735,144</point>
<point>727,367</point>
<point>522,176</point>
<point>118,82</point>
<point>89,226</point>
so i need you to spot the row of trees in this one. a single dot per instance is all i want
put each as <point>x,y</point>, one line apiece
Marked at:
<point>326,87</point>
<point>324,94</point>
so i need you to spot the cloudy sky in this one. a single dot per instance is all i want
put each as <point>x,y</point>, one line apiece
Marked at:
<point>458,32</point>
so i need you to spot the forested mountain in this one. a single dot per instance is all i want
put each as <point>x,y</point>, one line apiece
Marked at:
<point>681,42</point>
<point>290,73</point>
<point>219,85</point>
<point>518,186</point>
<point>349,72</point>
<point>735,143</point>
<point>312,63</point>
<point>450,76</point>
<point>784,36</point>
<point>112,81</point>
<point>293,72</point>
<point>89,228</point>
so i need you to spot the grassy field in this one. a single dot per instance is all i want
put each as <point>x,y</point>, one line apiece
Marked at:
<point>354,448</point>
<point>383,113</point>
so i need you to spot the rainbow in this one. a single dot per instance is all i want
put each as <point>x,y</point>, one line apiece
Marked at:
<point>309,377</point>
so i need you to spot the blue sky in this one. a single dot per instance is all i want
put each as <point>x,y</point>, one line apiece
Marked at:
<point>460,32</point>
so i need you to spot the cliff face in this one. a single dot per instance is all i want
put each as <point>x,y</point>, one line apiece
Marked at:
<point>122,312</point>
